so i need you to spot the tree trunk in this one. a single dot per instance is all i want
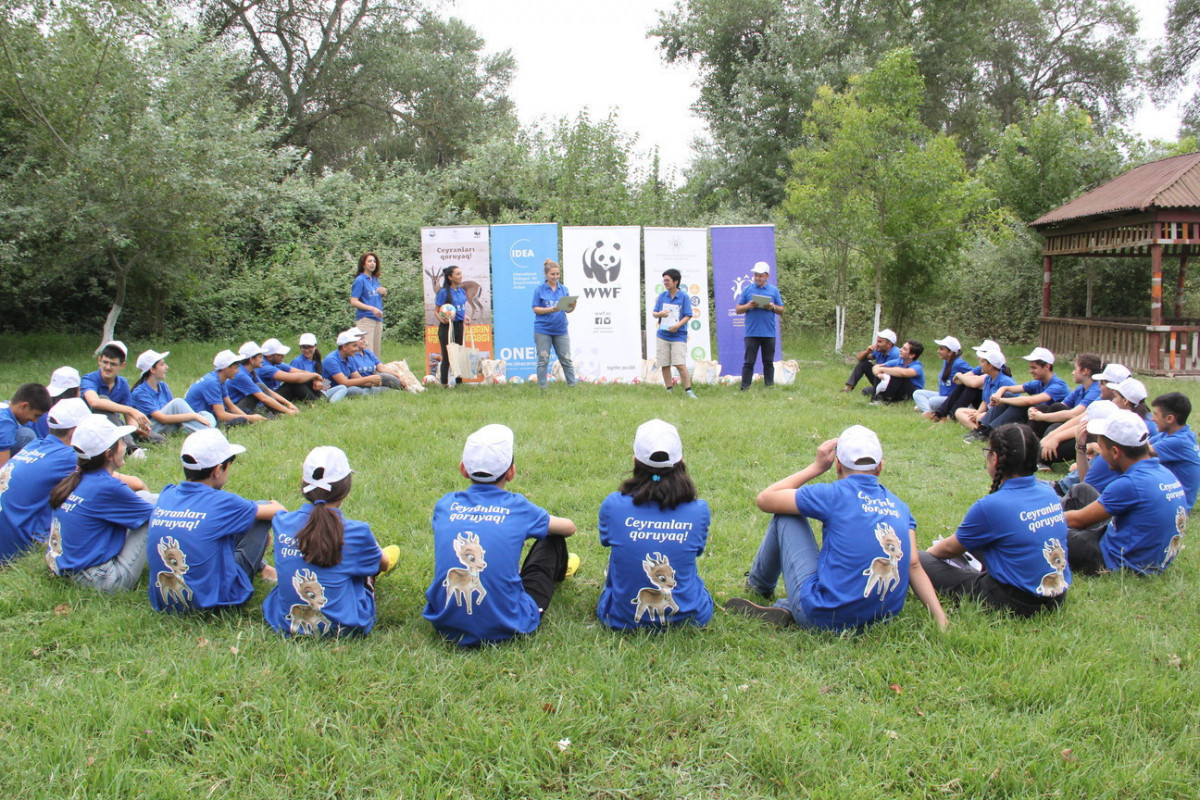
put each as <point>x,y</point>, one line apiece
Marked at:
<point>110,322</point>
<point>878,297</point>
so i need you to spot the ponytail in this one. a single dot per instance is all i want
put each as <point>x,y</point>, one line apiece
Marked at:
<point>320,540</point>
<point>62,490</point>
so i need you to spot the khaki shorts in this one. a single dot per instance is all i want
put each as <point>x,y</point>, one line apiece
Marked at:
<point>671,354</point>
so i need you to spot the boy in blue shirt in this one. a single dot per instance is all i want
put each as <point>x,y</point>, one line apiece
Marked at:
<point>211,394</point>
<point>1056,424</point>
<point>205,544</point>
<point>674,308</point>
<point>289,382</point>
<point>761,325</point>
<point>901,376</point>
<point>1175,444</point>
<point>28,404</point>
<point>245,390</point>
<point>338,368</point>
<point>480,591</point>
<point>868,554</point>
<point>107,393</point>
<point>1138,521</point>
<point>1012,403</point>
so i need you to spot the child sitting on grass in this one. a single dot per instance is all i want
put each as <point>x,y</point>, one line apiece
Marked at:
<point>28,404</point>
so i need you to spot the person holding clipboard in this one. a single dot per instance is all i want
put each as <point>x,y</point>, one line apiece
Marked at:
<point>761,303</point>
<point>551,304</point>
<point>673,310</point>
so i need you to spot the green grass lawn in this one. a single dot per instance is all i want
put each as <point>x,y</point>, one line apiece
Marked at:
<point>105,698</point>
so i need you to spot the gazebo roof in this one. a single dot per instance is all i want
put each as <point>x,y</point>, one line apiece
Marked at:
<point>1168,183</point>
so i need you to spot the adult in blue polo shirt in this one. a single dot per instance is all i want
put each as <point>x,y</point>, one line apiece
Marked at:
<point>761,324</point>
<point>673,310</point>
<point>26,480</point>
<point>1012,403</point>
<point>366,296</point>
<point>881,352</point>
<point>550,324</point>
<point>904,375</point>
<point>867,557</point>
<point>1175,444</point>
<point>1017,531</point>
<point>1145,503</point>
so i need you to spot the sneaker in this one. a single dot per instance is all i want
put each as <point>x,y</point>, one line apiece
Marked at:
<point>572,564</point>
<point>691,394</point>
<point>392,552</point>
<point>138,455</point>
<point>1042,466</point>
<point>868,391</point>
<point>977,435</point>
<point>775,615</point>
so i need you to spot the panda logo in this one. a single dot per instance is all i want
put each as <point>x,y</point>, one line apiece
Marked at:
<point>602,263</point>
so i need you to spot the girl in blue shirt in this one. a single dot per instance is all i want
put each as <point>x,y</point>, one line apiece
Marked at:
<point>1017,531</point>
<point>930,401</point>
<point>452,293</point>
<point>152,396</point>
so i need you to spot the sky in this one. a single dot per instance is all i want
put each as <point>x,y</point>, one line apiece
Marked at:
<point>587,54</point>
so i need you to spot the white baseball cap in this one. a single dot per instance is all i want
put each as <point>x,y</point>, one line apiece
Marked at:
<point>117,343</point>
<point>1123,427</point>
<point>357,331</point>
<point>95,434</point>
<point>761,268</point>
<point>67,414</point>
<point>1113,373</point>
<point>149,358</point>
<point>988,344</point>
<point>488,453</point>
<point>347,337</point>
<point>1099,409</point>
<point>207,448</point>
<point>1131,389</point>
<point>323,467</point>
<point>1040,354</point>
<point>858,448</point>
<point>950,343</point>
<point>887,333</point>
<point>993,357</point>
<point>657,444</point>
<point>249,350</point>
<point>274,347</point>
<point>308,340</point>
<point>226,358</point>
<point>62,379</point>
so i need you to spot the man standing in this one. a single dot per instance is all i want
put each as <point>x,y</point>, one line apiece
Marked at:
<point>761,303</point>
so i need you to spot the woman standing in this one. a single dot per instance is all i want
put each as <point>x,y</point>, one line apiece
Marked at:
<point>453,294</point>
<point>550,325</point>
<point>366,295</point>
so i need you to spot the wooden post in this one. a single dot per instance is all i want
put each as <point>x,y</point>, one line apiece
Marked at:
<point>1179,285</point>
<point>1046,261</point>
<point>1155,302</point>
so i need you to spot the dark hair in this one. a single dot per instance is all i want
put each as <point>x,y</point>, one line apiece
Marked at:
<point>1016,448</point>
<point>193,474</point>
<point>1176,404</point>
<point>1041,363</point>
<point>62,490</point>
<point>673,274</point>
<point>446,275</point>
<point>112,351</point>
<point>666,486</point>
<point>954,354</point>
<point>141,378</point>
<point>1006,369</point>
<point>362,263</point>
<point>320,540</point>
<point>1136,453</point>
<point>916,348</point>
<point>1090,362</point>
<point>35,394</point>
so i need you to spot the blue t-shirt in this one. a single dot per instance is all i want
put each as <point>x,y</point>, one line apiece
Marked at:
<point>862,572</point>
<point>241,385</point>
<point>306,364</point>
<point>884,356</point>
<point>457,298</point>
<point>1020,532</point>
<point>334,365</point>
<point>1056,388</point>
<point>1099,474</point>
<point>148,400</point>
<point>652,579</point>
<point>366,290</point>
<point>1149,512</point>
<point>206,393</point>
<point>8,428</point>
<point>1180,453</point>
<point>322,600</point>
<point>760,321</point>
<point>1081,396</point>
<point>118,394</point>
<point>91,524</point>
<point>918,380</point>
<point>554,324</point>
<point>365,362</point>
<point>266,374</point>
<point>946,386</point>
<point>41,425</point>
<point>684,303</point>
<point>190,548</point>
<point>25,484</point>
<point>476,594</point>
<point>990,385</point>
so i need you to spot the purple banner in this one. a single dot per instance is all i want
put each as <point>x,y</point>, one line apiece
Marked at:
<point>735,250</point>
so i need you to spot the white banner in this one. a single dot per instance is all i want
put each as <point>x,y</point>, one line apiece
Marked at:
<point>604,267</point>
<point>684,249</point>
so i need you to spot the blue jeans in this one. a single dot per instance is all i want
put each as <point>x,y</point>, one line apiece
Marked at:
<point>122,572</point>
<point>562,346</point>
<point>180,406</point>
<point>789,549</point>
<point>335,392</point>
<point>928,400</point>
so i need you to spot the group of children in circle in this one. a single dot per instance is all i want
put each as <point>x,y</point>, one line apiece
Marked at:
<point>1016,548</point>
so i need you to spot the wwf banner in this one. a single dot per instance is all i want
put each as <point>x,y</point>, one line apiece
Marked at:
<point>519,253</point>
<point>465,247</point>
<point>603,266</point>
<point>735,250</point>
<point>684,249</point>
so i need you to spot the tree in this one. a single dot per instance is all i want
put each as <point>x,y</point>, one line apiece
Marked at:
<point>875,182</point>
<point>1174,62</point>
<point>129,153</point>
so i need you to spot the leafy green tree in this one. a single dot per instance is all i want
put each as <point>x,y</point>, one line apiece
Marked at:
<point>1174,62</point>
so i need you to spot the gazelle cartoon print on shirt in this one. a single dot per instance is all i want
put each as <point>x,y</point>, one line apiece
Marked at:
<point>170,582</point>
<point>1176,543</point>
<point>462,584</point>
<point>656,599</point>
<point>1054,583</point>
<point>884,573</point>
<point>54,545</point>
<point>306,617</point>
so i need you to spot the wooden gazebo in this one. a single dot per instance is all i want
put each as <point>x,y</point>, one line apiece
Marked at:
<point>1152,210</point>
